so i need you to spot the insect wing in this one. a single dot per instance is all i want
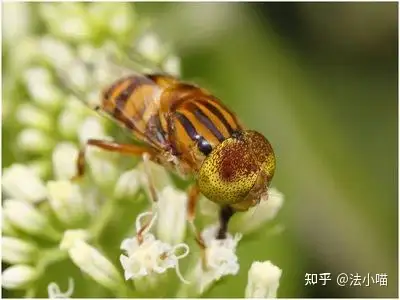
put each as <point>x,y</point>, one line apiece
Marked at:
<point>122,94</point>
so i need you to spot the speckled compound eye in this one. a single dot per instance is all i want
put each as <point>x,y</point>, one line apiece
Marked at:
<point>230,171</point>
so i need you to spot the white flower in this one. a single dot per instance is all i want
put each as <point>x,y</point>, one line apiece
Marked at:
<point>90,260</point>
<point>17,251</point>
<point>54,291</point>
<point>102,166</point>
<point>263,280</point>
<point>159,175</point>
<point>23,53</point>
<point>21,182</point>
<point>41,88</point>
<point>34,140</point>
<point>26,217</point>
<point>67,201</point>
<point>18,277</point>
<point>78,75</point>
<point>29,115</point>
<point>128,184</point>
<point>172,65</point>
<point>147,256</point>
<point>91,128</point>
<point>117,18</point>
<point>57,52</point>
<point>121,19</point>
<point>150,47</point>
<point>16,21</point>
<point>71,117</point>
<point>6,227</point>
<point>256,216</point>
<point>220,254</point>
<point>220,260</point>
<point>67,20</point>
<point>65,157</point>
<point>171,206</point>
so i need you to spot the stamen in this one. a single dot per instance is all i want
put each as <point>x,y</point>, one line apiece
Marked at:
<point>178,257</point>
<point>54,291</point>
<point>143,230</point>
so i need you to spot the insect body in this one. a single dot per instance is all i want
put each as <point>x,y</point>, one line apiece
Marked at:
<point>186,129</point>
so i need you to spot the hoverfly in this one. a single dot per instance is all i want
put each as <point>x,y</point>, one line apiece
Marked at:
<point>188,130</point>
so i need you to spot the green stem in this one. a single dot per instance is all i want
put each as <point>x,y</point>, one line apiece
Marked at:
<point>49,257</point>
<point>105,215</point>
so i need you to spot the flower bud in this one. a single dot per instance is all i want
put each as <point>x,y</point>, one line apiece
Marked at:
<point>159,175</point>
<point>150,47</point>
<point>263,280</point>
<point>117,18</point>
<point>172,65</point>
<point>17,251</point>
<point>41,88</point>
<point>67,20</point>
<point>21,182</point>
<point>65,157</point>
<point>128,184</point>
<point>71,117</point>
<point>26,217</point>
<point>34,141</point>
<point>29,115</point>
<point>78,75</point>
<point>122,19</point>
<point>57,52</point>
<point>18,277</point>
<point>67,201</point>
<point>24,52</point>
<point>171,206</point>
<point>16,21</point>
<point>102,166</point>
<point>93,263</point>
<point>91,128</point>
<point>6,227</point>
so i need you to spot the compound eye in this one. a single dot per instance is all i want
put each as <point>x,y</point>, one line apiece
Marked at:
<point>229,172</point>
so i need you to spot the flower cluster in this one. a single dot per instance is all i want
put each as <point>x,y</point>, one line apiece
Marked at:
<point>49,219</point>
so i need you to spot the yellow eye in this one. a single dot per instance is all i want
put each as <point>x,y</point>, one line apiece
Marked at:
<point>231,170</point>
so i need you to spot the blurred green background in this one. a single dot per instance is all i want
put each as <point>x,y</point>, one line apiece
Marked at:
<point>320,81</point>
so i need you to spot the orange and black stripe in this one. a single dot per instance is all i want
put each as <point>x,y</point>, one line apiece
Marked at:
<point>204,121</point>
<point>165,112</point>
<point>130,101</point>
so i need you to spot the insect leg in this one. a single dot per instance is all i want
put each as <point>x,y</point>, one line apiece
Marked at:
<point>193,197</point>
<point>108,146</point>
<point>151,185</point>
<point>152,190</point>
<point>225,214</point>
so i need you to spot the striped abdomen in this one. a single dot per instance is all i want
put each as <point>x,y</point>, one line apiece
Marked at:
<point>170,115</point>
<point>134,101</point>
<point>196,121</point>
